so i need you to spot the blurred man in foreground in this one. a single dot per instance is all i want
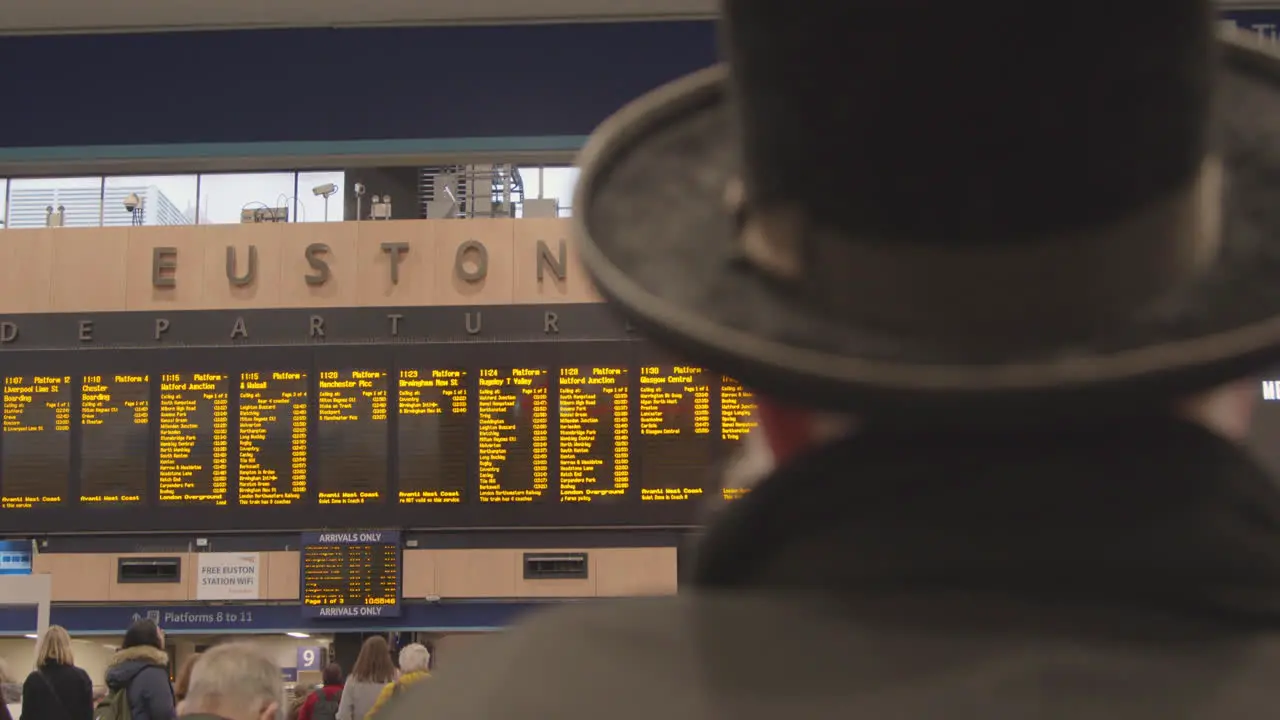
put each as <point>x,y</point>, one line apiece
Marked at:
<point>234,682</point>
<point>1033,260</point>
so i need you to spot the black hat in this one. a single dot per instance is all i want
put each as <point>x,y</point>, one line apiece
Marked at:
<point>934,207</point>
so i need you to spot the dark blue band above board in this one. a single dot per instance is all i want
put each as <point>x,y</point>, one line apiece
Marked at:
<point>492,433</point>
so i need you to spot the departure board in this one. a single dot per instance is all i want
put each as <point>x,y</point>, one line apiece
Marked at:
<point>435,436</point>
<point>194,416</point>
<point>273,437</point>
<point>674,439</point>
<point>513,439</point>
<point>35,468</point>
<point>737,420</point>
<point>115,437</point>
<point>595,430</point>
<point>351,574</point>
<point>351,437</point>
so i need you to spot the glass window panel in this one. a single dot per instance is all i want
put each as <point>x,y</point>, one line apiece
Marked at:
<point>548,183</point>
<point>558,183</point>
<point>30,199</point>
<point>4,201</point>
<point>313,205</point>
<point>227,197</point>
<point>163,200</point>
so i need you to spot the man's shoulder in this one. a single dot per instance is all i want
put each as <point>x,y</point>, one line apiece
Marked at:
<point>762,655</point>
<point>561,656</point>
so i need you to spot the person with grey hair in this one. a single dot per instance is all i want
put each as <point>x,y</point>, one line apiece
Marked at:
<point>415,666</point>
<point>236,681</point>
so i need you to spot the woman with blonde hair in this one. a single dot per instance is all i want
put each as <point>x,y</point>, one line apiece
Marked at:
<point>57,688</point>
<point>372,672</point>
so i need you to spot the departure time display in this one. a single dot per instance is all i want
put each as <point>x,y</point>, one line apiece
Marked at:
<point>514,442</point>
<point>737,420</point>
<point>674,443</point>
<point>273,437</point>
<point>194,427</point>
<point>115,437</point>
<point>36,466</point>
<point>435,435</point>
<point>595,433</point>
<point>351,437</point>
<point>346,438</point>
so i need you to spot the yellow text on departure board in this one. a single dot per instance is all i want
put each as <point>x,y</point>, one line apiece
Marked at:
<point>674,403</point>
<point>352,396</point>
<point>423,395</point>
<point>194,437</point>
<point>113,400</point>
<point>351,575</point>
<point>595,429</point>
<point>37,420</point>
<point>737,410</point>
<point>273,437</point>
<point>514,443</point>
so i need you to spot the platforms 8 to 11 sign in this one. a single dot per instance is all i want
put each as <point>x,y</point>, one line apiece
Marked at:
<point>351,574</point>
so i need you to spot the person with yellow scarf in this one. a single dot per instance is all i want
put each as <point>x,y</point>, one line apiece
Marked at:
<point>415,662</point>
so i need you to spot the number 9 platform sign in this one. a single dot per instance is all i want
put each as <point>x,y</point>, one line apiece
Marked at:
<point>310,659</point>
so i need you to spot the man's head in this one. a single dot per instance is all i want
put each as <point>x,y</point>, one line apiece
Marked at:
<point>235,681</point>
<point>414,657</point>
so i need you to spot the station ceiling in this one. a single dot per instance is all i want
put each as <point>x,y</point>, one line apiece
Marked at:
<point>78,16</point>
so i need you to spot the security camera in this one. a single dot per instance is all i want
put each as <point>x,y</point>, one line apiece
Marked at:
<point>132,202</point>
<point>359,188</point>
<point>325,190</point>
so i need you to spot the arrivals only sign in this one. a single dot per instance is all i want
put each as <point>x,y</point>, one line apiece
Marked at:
<point>227,576</point>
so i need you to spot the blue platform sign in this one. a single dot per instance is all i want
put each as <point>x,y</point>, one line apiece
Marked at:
<point>15,557</point>
<point>112,619</point>
<point>310,658</point>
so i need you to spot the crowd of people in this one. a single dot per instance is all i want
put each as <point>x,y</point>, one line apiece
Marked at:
<point>234,681</point>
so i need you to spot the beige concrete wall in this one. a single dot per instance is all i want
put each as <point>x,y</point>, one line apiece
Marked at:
<point>612,572</point>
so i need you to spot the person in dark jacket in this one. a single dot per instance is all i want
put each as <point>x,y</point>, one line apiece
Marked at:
<point>142,666</point>
<point>57,689</point>
<point>1002,289</point>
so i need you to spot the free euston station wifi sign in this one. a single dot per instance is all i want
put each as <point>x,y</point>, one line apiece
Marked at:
<point>351,574</point>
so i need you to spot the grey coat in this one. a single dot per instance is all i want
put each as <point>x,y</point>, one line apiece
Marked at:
<point>358,698</point>
<point>1130,571</point>
<point>144,670</point>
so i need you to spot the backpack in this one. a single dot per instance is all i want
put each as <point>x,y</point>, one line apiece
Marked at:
<point>325,708</point>
<point>115,706</point>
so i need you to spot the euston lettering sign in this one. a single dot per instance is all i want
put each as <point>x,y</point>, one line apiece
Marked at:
<point>470,263</point>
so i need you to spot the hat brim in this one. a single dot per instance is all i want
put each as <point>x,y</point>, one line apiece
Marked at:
<point>656,236</point>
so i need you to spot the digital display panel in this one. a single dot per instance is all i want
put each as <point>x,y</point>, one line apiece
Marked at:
<point>194,427</point>
<point>435,436</point>
<point>353,574</point>
<point>35,451</point>
<point>115,437</point>
<point>350,447</point>
<point>737,420</point>
<point>673,438</point>
<point>594,424</point>
<point>514,450</point>
<point>292,438</point>
<point>273,437</point>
